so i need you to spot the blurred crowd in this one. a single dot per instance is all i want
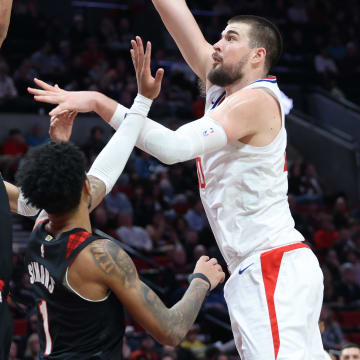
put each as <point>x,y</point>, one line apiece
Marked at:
<point>155,209</point>
<point>321,47</point>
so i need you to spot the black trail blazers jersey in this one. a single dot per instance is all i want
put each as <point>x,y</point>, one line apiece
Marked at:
<point>70,327</point>
<point>5,271</point>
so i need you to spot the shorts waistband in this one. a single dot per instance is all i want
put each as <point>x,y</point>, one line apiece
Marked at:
<point>235,262</point>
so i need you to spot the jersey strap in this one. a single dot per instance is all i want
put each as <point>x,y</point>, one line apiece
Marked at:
<point>78,240</point>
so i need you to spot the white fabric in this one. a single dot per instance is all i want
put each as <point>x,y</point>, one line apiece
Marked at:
<point>297,298</point>
<point>110,163</point>
<point>118,116</point>
<point>244,191</point>
<point>25,209</point>
<point>189,141</point>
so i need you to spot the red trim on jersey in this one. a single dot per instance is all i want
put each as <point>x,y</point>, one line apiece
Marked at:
<point>200,173</point>
<point>75,240</point>
<point>270,266</point>
<point>2,284</point>
<point>220,101</point>
<point>270,77</point>
<point>38,223</point>
<point>285,165</point>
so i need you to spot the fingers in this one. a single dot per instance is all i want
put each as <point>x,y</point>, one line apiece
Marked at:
<point>57,110</point>
<point>159,76</point>
<point>147,57</point>
<point>48,99</point>
<point>203,258</point>
<point>34,91</point>
<point>134,56</point>
<point>140,52</point>
<point>43,84</point>
<point>72,115</point>
<point>222,279</point>
<point>213,261</point>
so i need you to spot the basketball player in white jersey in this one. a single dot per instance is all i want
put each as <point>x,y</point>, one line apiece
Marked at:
<point>275,290</point>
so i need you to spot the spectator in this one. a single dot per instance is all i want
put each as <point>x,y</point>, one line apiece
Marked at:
<point>46,62</point>
<point>13,351</point>
<point>94,144</point>
<point>32,347</point>
<point>350,352</point>
<point>192,343</point>
<point>348,291</point>
<point>15,145</point>
<point>147,350</point>
<point>332,336</point>
<point>326,236</point>
<point>324,64</point>
<point>7,87</point>
<point>118,203</point>
<point>196,217</point>
<point>37,136</point>
<point>135,236</point>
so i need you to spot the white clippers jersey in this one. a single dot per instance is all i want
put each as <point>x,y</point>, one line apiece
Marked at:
<point>244,190</point>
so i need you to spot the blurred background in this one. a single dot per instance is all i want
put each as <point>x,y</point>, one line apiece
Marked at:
<point>155,210</point>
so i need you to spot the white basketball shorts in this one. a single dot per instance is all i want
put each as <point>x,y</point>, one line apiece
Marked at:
<point>274,300</point>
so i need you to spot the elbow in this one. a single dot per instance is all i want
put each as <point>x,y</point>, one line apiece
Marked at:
<point>173,340</point>
<point>170,338</point>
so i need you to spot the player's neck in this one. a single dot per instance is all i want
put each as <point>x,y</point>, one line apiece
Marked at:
<point>246,80</point>
<point>78,218</point>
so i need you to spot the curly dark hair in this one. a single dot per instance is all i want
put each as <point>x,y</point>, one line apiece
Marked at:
<point>52,177</point>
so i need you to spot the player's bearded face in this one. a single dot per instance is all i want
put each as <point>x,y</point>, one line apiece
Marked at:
<point>226,74</point>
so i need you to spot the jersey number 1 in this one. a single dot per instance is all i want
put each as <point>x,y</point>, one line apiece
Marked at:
<point>44,314</point>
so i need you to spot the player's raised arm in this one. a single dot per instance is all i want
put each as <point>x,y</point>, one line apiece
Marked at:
<point>168,146</point>
<point>182,26</point>
<point>116,270</point>
<point>5,12</point>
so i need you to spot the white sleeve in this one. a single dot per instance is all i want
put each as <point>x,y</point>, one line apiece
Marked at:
<point>24,208</point>
<point>111,161</point>
<point>188,142</point>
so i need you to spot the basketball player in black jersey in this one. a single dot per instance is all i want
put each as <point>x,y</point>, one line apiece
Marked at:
<point>82,281</point>
<point>5,227</point>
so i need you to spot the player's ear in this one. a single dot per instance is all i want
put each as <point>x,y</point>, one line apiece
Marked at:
<point>259,54</point>
<point>87,187</point>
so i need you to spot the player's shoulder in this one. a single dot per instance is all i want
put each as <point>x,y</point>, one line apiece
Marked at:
<point>251,99</point>
<point>92,258</point>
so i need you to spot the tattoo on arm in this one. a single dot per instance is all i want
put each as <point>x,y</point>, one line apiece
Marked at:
<point>177,321</point>
<point>113,260</point>
<point>174,322</point>
<point>97,191</point>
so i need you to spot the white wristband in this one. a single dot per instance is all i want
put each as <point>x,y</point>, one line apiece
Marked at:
<point>118,116</point>
<point>141,105</point>
<point>23,208</point>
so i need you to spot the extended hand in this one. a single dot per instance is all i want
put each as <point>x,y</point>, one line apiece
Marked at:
<point>148,86</point>
<point>61,125</point>
<point>78,101</point>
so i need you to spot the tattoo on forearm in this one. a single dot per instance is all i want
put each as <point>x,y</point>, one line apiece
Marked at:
<point>114,261</point>
<point>177,321</point>
<point>97,191</point>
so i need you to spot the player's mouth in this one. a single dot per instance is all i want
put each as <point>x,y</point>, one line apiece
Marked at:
<point>216,58</point>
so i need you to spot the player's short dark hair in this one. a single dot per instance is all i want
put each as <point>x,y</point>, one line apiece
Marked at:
<point>52,177</point>
<point>263,33</point>
<point>348,346</point>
